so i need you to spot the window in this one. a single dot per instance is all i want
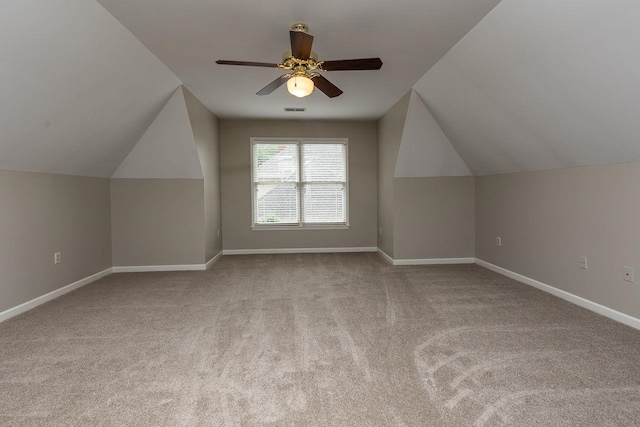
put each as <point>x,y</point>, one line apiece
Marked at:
<point>299,183</point>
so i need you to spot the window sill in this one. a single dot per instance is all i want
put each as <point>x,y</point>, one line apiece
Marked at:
<point>298,227</point>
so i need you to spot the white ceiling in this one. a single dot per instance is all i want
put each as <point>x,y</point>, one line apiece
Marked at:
<point>542,84</point>
<point>410,36</point>
<point>535,85</point>
<point>78,89</point>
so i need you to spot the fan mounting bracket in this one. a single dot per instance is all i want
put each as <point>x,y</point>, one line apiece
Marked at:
<point>303,28</point>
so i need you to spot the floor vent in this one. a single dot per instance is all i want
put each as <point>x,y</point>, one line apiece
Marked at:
<point>294,110</point>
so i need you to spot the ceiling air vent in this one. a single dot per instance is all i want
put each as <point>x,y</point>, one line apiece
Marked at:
<point>294,110</point>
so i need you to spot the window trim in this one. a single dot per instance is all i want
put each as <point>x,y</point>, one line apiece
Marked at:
<point>300,184</point>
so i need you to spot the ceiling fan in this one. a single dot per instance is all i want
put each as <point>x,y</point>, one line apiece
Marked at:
<point>305,68</point>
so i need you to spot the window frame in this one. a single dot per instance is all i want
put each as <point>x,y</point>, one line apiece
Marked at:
<point>301,225</point>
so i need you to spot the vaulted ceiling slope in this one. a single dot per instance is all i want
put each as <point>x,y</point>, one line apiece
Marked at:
<point>78,89</point>
<point>424,149</point>
<point>410,36</point>
<point>540,85</point>
<point>168,147</point>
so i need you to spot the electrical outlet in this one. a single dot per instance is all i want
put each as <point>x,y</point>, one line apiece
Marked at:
<point>499,241</point>
<point>583,262</point>
<point>628,274</point>
<point>380,230</point>
<point>218,232</point>
<point>56,258</point>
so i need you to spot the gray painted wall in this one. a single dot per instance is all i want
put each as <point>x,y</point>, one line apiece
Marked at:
<point>157,221</point>
<point>236,184</point>
<point>42,214</point>
<point>390,128</point>
<point>206,133</point>
<point>434,217</point>
<point>421,217</point>
<point>548,219</point>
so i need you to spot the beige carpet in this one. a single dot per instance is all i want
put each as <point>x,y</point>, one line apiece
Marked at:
<point>316,340</point>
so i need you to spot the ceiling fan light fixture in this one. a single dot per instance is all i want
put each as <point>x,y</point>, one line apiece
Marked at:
<point>302,65</point>
<point>300,86</point>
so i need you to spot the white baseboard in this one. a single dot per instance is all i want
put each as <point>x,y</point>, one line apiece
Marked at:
<point>426,261</point>
<point>212,260</point>
<point>12,312</point>
<point>582,302</point>
<point>179,267</point>
<point>295,251</point>
<point>152,268</point>
<point>434,261</point>
<point>385,256</point>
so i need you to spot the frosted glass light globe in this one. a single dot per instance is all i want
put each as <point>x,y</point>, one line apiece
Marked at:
<point>300,86</point>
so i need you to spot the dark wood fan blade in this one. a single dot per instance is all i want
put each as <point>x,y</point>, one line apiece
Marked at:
<point>301,44</point>
<point>352,64</point>
<point>273,85</point>
<point>248,64</point>
<point>326,86</point>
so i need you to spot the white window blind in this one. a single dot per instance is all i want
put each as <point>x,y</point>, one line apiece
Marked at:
<point>299,183</point>
<point>324,176</point>
<point>276,171</point>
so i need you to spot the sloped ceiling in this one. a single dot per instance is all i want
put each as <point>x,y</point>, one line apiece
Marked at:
<point>535,85</point>
<point>78,89</point>
<point>424,150</point>
<point>540,85</point>
<point>167,149</point>
<point>409,36</point>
